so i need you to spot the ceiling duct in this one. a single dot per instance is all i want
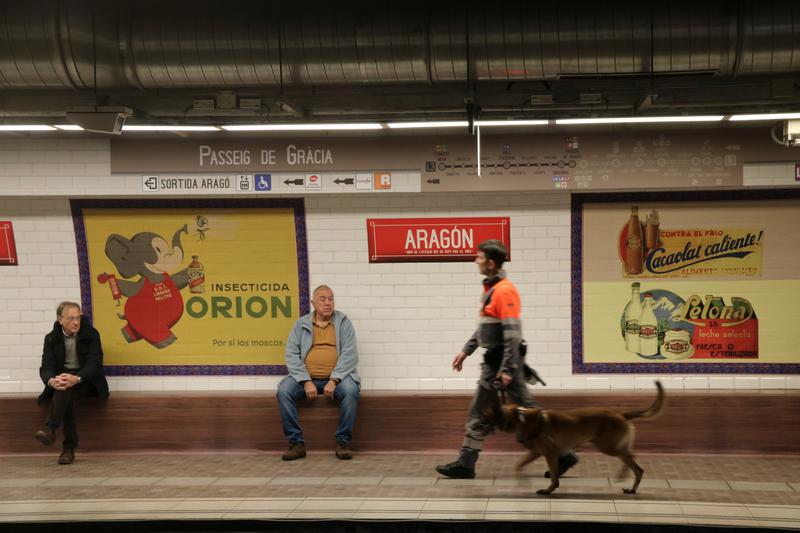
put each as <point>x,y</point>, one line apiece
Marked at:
<point>85,44</point>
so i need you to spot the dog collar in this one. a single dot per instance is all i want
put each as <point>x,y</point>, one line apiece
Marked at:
<point>521,414</point>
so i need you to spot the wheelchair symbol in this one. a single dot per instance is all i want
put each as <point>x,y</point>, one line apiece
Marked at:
<point>263,182</point>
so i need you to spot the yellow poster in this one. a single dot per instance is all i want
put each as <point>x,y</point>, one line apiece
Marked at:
<point>689,322</point>
<point>683,283</point>
<point>200,289</point>
<point>648,249</point>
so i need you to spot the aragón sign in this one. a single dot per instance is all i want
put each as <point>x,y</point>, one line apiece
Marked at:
<point>394,240</point>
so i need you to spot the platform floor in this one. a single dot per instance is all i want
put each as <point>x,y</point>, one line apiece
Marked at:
<point>728,490</point>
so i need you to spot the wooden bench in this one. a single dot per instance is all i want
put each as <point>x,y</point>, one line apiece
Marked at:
<point>693,422</point>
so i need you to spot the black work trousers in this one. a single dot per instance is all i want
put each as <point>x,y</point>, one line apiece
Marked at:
<point>62,413</point>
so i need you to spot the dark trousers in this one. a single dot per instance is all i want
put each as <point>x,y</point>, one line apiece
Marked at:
<point>477,429</point>
<point>62,414</point>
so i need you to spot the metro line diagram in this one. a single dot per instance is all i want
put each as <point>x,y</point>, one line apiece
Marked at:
<point>571,163</point>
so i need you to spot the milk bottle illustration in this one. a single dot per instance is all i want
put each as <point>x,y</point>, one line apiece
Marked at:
<point>648,328</point>
<point>633,314</point>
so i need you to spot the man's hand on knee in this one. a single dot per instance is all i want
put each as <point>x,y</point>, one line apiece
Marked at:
<point>311,390</point>
<point>70,380</point>
<point>330,387</point>
<point>59,382</point>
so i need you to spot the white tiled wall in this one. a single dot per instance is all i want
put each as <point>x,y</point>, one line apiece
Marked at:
<point>410,318</point>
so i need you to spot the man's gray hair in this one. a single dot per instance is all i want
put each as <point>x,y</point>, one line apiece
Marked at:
<point>319,288</point>
<point>64,305</point>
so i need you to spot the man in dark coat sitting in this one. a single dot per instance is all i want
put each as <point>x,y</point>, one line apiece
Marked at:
<point>72,366</point>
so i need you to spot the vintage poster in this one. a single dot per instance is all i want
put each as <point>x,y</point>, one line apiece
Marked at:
<point>678,282</point>
<point>647,249</point>
<point>195,287</point>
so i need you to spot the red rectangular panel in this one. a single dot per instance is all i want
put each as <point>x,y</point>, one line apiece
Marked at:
<point>8,249</point>
<point>393,240</point>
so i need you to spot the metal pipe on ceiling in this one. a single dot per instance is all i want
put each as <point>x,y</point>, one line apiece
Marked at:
<point>68,44</point>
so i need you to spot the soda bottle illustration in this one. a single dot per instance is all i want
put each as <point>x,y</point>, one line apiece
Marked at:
<point>651,234</point>
<point>197,278</point>
<point>634,256</point>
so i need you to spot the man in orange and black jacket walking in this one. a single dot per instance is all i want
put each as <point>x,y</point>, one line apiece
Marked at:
<point>500,332</point>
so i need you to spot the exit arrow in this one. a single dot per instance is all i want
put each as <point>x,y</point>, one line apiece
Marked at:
<point>433,180</point>
<point>298,181</point>
<point>346,181</point>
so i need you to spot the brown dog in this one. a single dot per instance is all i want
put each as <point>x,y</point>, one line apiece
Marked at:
<point>551,433</point>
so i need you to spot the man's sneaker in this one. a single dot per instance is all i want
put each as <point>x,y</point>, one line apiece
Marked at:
<point>297,450</point>
<point>46,436</point>
<point>456,471</point>
<point>343,451</point>
<point>565,462</point>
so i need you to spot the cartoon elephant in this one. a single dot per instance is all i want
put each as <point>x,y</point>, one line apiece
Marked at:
<point>154,303</point>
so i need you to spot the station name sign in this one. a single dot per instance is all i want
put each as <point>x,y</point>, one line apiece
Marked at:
<point>8,248</point>
<point>291,155</point>
<point>263,155</point>
<point>572,160</point>
<point>394,240</point>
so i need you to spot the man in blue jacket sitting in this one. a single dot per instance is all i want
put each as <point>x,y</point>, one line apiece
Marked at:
<point>321,357</point>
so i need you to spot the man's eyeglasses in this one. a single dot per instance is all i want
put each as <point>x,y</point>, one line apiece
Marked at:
<point>71,318</point>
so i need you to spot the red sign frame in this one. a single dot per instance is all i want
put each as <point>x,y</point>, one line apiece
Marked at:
<point>8,247</point>
<point>398,240</point>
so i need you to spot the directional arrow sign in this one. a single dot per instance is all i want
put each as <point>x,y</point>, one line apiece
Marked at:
<point>345,181</point>
<point>433,180</point>
<point>298,181</point>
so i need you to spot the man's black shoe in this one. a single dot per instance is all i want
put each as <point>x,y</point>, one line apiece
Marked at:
<point>456,471</point>
<point>46,436</point>
<point>565,462</point>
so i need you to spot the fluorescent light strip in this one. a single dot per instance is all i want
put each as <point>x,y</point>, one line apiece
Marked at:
<point>432,124</point>
<point>765,116</point>
<point>640,120</point>
<point>414,125</point>
<point>302,127</point>
<point>484,123</point>
<point>25,127</point>
<point>127,127</point>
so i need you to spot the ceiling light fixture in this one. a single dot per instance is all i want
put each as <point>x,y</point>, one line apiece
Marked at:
<point>765,116</point>
<point>25,127</point>
<point>490,123</point>
<point>415,125</point>
<point>431,124</point>
<point>640,120</point>
<point>302,127</point>
<point>159,127</point>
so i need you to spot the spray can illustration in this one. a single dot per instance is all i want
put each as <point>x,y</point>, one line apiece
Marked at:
<point>196,274</point>
<point>111,279</point>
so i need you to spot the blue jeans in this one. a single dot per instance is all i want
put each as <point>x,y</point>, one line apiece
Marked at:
<point>346,393</point>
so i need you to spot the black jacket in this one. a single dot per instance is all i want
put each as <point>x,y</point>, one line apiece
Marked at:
<point>90,356</point>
